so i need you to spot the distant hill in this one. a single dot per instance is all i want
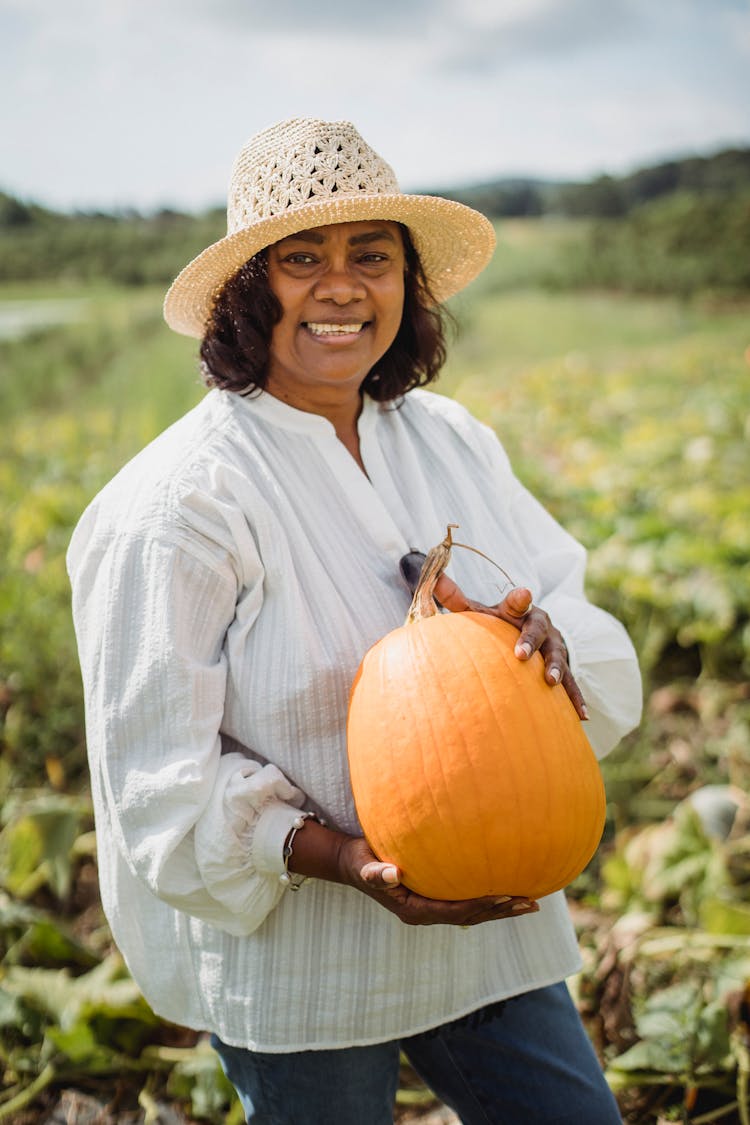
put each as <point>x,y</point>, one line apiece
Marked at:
<point>723,173</point>
<point>698,207</point>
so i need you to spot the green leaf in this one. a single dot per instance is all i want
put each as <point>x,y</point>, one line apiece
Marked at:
<point>46,943</point>
<point>651,1055</point>
<point>36,846</point>
<point>680,1034</point>
<point>18,1021</point>
<point>106,989</point>
<point>721,916</point>
<point>201,1079</point>
<point>81,1046</point>
<point>12,1011</point>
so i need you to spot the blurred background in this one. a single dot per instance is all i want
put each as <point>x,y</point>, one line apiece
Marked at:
<point>608,343</point>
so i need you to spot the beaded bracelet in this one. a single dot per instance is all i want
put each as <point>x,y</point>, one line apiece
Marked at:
<point>289,878</point>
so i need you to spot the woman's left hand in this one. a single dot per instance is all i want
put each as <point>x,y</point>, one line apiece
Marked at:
<point>536,632</point>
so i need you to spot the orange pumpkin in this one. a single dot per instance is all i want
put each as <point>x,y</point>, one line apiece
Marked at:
<point>469,771</point>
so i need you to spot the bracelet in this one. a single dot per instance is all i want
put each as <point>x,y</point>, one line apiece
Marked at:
<point>289,878</point>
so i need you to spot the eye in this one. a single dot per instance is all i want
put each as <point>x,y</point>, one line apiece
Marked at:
<point>373,258</point>
<point>299,258</point>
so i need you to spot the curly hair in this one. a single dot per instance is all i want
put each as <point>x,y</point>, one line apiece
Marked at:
<point>235,348</point>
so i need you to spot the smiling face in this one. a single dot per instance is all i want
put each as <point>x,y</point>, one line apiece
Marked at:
<point>341,291</point>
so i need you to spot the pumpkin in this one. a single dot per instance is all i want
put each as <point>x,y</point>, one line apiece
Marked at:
<point>469,771</point>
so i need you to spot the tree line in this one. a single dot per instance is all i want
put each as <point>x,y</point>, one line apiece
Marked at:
<point>678,226</point>
<point>721,174</point>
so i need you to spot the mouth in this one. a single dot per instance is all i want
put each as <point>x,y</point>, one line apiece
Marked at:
<point>326,330</point>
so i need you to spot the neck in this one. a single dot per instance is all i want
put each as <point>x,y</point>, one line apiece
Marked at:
<point>341,409</point>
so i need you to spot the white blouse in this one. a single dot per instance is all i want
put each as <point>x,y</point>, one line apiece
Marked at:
<point>226,584</point>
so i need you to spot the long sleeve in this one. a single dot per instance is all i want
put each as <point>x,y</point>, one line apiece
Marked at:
<point>201,829</point>
<point>602,657</point>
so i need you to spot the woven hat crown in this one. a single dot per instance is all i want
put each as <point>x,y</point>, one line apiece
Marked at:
<point>301,161</point>
<point>305,173</point>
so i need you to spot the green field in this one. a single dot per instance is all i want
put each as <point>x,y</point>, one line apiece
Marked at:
<point>629,416</point>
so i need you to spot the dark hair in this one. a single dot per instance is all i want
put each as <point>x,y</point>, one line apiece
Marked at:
<point>234,349</point>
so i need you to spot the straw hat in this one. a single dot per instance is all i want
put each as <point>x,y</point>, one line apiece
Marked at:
<point>307,173</point>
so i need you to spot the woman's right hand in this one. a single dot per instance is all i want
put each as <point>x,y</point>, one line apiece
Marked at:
<point>359,867</point>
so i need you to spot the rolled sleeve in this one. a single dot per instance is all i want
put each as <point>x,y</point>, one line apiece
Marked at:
<point>239,837</point>
<point>151,619</point>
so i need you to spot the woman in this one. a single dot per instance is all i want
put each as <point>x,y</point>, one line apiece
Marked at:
<point>226,585</point>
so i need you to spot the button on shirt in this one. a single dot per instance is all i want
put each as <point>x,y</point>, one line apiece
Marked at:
<point>226,584</point>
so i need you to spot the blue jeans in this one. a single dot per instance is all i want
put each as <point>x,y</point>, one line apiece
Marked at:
<point>521,1061</point>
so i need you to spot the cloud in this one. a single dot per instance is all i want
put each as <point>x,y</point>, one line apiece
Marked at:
<point>488,39</point>
<point>324,19</point>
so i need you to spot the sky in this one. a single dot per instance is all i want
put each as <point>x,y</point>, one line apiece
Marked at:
<point>145,103</point>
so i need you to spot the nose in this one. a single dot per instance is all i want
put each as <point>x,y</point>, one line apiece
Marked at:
<point>339,284</point>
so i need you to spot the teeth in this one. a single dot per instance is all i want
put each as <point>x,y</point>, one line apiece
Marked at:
<point>334,329</point>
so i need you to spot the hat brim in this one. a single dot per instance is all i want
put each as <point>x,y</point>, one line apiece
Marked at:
<point>454,243</point>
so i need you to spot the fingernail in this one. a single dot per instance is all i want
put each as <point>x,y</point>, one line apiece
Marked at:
<point>584,711</point>
<point>390,874</point>
<point>523,650</point>
<point>525,906</point>
<point>502,901</point>
<point>555,674</point>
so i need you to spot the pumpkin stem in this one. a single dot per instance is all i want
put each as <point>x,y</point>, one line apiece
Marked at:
<point>423,603</point>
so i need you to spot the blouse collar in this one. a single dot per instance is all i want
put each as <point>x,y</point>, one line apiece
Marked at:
<point>270,409</point>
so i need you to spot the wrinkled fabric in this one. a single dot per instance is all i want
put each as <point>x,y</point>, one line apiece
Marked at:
<point>226,584</point>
